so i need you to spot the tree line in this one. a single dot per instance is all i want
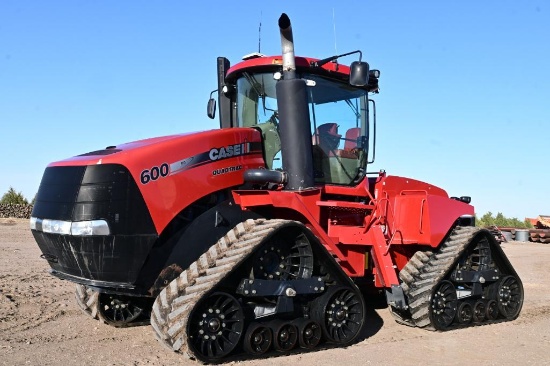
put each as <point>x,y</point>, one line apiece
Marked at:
<point>488,220</point>
<point>12,197</point>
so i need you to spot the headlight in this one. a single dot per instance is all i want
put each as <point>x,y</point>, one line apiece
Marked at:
<point>78,228</point>
<point>56,227</point>
<point>95,227</point>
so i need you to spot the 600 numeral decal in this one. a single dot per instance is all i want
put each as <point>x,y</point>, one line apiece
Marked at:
<point>154,173</point>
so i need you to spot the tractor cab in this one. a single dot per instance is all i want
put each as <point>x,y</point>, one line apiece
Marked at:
<point>342,117</point>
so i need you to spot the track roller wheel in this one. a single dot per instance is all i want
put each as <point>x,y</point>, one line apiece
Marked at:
<point>215,326</point>
<point>258,339</point>
<point>492,310</point>
<point>285,335</point>
<point>465,313</point>
<point>87,300</point>
<point>479,311</point>
<point>309,333</point>
<point>340,311</point>
<point>119,310</point>
<point>443,305</point>
<point>509,297</point>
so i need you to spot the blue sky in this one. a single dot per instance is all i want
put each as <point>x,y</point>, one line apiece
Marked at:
<point>464,101</point>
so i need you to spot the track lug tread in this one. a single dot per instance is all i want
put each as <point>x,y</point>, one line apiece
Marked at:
<point>419,281</point>
<point>175,302</point>
<point>426,269</point>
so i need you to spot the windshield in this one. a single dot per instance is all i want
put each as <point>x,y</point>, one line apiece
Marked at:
<point>338,116</point>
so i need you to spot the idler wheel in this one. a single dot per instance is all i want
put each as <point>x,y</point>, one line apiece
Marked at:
<point>509,297</point>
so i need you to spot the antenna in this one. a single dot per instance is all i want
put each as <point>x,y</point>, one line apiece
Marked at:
<point>260,34</point>
<point>334,26</point>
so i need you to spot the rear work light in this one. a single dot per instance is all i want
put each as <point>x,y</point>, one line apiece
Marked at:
<point>77,228</point>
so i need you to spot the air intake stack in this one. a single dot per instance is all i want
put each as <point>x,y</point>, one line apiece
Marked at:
<point>294,128</point>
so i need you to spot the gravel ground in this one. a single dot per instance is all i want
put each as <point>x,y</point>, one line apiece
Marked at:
<point>40,323</point>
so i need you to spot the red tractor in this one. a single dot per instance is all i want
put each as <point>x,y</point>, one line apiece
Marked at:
<point>267,233</point>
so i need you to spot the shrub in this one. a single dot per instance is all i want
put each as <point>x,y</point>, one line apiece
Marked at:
<point>14,198</point>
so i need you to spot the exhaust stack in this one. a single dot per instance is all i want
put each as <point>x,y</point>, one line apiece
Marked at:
<point>287,45</point>
<point>294,127</point>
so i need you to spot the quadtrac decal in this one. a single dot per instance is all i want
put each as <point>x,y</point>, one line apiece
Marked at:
<point>214,154</point>
<point>226,170</point>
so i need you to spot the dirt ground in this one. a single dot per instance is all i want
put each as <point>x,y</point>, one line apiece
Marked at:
<point>40,323</point>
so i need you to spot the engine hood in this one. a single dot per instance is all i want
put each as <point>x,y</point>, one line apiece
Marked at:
<point>119,153</point>
<point>171,172</point>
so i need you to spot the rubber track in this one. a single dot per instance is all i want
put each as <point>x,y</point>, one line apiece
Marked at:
<point>88,300</point>
<point>175,302</point>
<point>425,270</point>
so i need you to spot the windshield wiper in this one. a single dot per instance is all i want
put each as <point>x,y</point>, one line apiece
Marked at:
<point>332,58</point>
<point>354,109</point>
<point>254,83</point>
<point>259,91</point>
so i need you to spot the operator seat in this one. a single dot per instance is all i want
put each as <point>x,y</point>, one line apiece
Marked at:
<point>326,137</point>
<point>351,138</point>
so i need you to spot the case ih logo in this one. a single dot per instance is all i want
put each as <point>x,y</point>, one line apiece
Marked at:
<point>229,151</point>
<point>203,158</point>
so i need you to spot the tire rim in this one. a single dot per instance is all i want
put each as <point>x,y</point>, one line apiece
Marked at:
<point>277,260</point>
<point>342,314</point>
<point>443,305</point>
<point>118,310</point>
<point>509,297</point>
<point>215,326</point>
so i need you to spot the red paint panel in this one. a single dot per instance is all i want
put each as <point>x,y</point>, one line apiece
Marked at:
<point>382,257</point>
<point>441,214</point>
<point>418,212</point>
<point>405,211</point>
<point>360,190</point>
<point>301,62</point>
<point>349,234</point>
<point>193,174</point>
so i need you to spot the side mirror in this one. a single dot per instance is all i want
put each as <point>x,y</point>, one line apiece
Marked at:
<point>359,73</point>
<point>211,107</point>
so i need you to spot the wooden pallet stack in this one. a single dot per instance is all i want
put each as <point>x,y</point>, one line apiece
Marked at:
<point>541,232</point>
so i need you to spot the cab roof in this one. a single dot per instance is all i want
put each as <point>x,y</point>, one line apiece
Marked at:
<point>303,64</point>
